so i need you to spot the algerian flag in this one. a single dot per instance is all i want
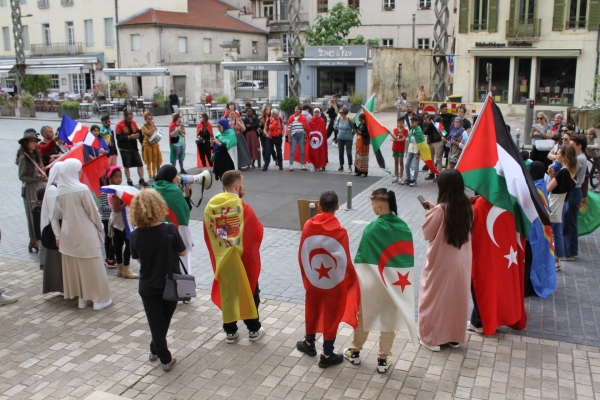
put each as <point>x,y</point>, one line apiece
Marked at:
<point>229,138</point>
<point>492,166</point>
<point>384,264</point>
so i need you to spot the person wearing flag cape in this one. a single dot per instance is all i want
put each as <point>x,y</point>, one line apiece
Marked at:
<point>385,269</point>
<point>332,292</point>
<point>233,235</point>
<point>224,149</point>
<point>317,140</point>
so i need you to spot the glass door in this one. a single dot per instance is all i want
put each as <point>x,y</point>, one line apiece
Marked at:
<point>522,79</point>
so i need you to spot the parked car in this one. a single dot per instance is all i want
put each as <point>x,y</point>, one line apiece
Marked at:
<point>251,85</point>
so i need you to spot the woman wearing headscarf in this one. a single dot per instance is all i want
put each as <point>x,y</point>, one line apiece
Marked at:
<point>455,141</point>
<point>244,159</point>
<point>28,160</point>
<point>79,239</point>
<point>363,143</point>
<point>53,276</point>
<point>224,148</point>
<point>179,211</point>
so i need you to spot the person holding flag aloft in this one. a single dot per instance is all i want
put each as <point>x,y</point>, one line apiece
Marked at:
<point>332,292</point>
<point>384,262</point>
<point>233,235</point>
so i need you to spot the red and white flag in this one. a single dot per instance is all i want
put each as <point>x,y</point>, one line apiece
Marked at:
<point>125,193</point>
<point>74,132</point>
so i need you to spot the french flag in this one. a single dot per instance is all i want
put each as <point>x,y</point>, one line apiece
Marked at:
<point>125,193</point>
<point>74,132</point>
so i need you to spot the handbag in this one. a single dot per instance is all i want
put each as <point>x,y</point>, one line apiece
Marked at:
<point>48,237</point>
<point>178,287</point>
<point>175,139</point>
<point>544,144</point>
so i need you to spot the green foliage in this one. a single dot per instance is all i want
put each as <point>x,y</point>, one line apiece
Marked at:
<point>222,99</point>
<point>289,104</point>
<point>69,105</point>
<point>360,39</point>
<point>36,83</point>
<point>26,99</point>
<point>118,90</point>
<point>355,98</point>
<point>333,28</point>
<point>100,89</point>
<point>5,100</point>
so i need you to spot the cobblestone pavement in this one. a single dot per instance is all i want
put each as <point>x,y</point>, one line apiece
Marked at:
<point>50,349</point>
<point>571,314</point>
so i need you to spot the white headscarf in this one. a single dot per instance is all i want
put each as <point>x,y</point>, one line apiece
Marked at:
<point>69,178</point>
<point>50,195</point>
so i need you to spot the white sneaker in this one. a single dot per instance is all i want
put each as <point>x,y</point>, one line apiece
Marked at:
<point>432,348</point>
<point>291,168</point>
<point>349,170</point>
<point>395,180</point>
<point>230,338</point>
<point>254,336</point>
<point>4,299</point>
<point>303,167</point>
<point>84,303</point>
<point>471,327</point>
<point>100,306</point>
<point>335,144</point>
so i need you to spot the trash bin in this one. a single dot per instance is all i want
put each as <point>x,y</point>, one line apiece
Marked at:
<point>303,210</point>
<point>455,98</point>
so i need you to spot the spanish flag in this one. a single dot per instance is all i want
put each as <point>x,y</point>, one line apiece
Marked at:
<point>233,235</point>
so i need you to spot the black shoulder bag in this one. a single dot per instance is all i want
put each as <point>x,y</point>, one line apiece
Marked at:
<point>48,237</point>
<point>178,287</point>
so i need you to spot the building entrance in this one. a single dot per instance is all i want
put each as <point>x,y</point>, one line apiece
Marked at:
<point>338,81</point>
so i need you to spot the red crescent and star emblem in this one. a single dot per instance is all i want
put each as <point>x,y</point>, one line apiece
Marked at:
<point>393,250</point>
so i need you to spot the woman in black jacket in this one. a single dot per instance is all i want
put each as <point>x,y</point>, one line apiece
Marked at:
<point>331,112</point>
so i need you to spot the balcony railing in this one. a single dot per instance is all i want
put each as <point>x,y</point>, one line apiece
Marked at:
<point>66,2</point>
<point>43,3</point>
<point>575,23</point>
<point>56,49</point>
<point>284,19</point>
<point>524,29</point>
<point>479,26</point>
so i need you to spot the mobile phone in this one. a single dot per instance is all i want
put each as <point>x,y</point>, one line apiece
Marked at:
<point>422,200</point>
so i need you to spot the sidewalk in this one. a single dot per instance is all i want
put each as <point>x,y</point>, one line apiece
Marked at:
<point>52,350</point>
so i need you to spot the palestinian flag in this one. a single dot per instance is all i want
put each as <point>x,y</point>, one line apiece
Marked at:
<point>440,128</point>
<point>377,132</point>
<point>178,210</point>
<point>233,235</point>
<point>492,166</point>
<point>370,105</point>
<point>589,210</point>
<point>384,264</point>
<point>125,193</point>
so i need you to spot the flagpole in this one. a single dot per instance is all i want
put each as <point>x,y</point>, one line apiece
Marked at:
<point>475,125</point>
<point>64,155</point>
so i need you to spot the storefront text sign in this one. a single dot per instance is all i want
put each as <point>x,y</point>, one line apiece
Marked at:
<point>336,52</point>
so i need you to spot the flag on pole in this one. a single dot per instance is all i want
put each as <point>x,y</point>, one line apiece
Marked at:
<point>377,132</point>
<point>74,132</point>
<point>75,152</point>
<point>440,128</point>
<point>125,193</point>
<point>91,173</point>
<point>369,105</point>
<point>424,151</point>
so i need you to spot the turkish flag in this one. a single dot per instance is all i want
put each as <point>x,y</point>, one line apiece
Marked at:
<point>498,268</point>
<point>317,142</point>
<point>332,291</point>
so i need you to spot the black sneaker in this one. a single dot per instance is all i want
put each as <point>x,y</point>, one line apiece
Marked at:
<point>306,348</point>
<point>425,168</point>
<point>340,169</point>
<point>143,183</point>
<point>383,365</point>
<point>129,182</point>
<point>352,356</point>
<point>183,172</point>
<point>333,359</point>
<point>430,177</point>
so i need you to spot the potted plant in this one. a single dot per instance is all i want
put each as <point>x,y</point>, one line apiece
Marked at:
<point>7,108</point>
<point>288,105</point>
<point>27,105</point>
<point>222,99</point>
<point>100,90</point>
<point>356,99</point>
<point>70,108</point>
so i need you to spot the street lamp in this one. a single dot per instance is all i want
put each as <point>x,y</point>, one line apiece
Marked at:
<point>19,44</point>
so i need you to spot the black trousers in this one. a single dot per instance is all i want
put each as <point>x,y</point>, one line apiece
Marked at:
<point>253,325</point>
<point>108,245</point>
<point>204,150</point>
<point>159,313</point>
<point>120,240</point>
<point>264,149</point>
<point>475,317</point>
<point>274,146</point>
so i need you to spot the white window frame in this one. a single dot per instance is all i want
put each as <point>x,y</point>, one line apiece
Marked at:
<point>136,42</point>
<point>78,83</point>
<point>89,32</point>
<point>70,32</point>
<point>6,37</point>
<point>387,42</point>
<point>391,4</point>
<point>55,81</point>
<point>109,32</point>
<point>26,45</point>
<point>423,43</point>
<point>424,3</point>
<point>46,34</point>
<point>182,44</point>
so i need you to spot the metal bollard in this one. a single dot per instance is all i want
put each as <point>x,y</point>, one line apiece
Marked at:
<point>349,196</point>
<point>259,153</point>
<point>312,211</point>
<point>518,139</point>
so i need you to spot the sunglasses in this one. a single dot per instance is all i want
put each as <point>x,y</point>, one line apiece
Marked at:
<point>566,139</point>
<point>564,130</point>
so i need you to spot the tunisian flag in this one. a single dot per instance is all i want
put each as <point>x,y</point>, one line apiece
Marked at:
<point>317,141</point>
<point>233,235</point>
<point>498,268</point>
<point>332,291</point>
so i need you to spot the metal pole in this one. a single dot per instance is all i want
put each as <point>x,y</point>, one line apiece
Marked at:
<point>529,104</point>
<point>488,70</point>
<point>19,43</point>
<point>440,50</point>
<point>312,211</point>
<point>414,17</point>
<point>518,138</point>
<point>349,196</point>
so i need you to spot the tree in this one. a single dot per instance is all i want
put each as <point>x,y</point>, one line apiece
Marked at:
<point>333,29</point>
<point>36,83</point>
<point>360,39</point>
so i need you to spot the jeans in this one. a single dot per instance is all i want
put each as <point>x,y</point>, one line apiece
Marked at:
<point>253,325</point>
<point>557,234</point>
<point>327,344</point>
<point>348,145</point>
<point>120,240</point>
<point>297,139</point>
<point>178,155</point>
<point>570,228</point>
<point>412,160</point>
<point>273,146</point>
<point>159,313</point>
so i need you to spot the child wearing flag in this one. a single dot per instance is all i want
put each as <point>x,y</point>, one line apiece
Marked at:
<point>412,157</point>
<point>398,149</point>
<point>332,292</point>
<point>384,262</point>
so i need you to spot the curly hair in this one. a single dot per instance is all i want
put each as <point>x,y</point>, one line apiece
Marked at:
<point>147,207</point>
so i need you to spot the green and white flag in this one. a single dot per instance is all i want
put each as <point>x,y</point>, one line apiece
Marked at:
<point>384,264</point>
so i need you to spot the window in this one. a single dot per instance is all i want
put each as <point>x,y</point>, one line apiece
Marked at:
<point>254,47</point>
<point>6,38</point>
<point>480,15</point>
<point>389,4</point>
<point>109,33</point>
<point>46,34</point>
<point>500,77</point>
<point>321,6</point>
<point>556,80</point>
<point>423,43</point>
<point>182,44</point>
<point>424,3</point>
<point>522,79</point>
<point>526,10</point>
<point>23,2</point>
<point>10,81</point>
<point>286,43</point>
<point>577,14</point>
<point>2,3</point>
<point>70,33</point>
<point>207,49</point>
<point>55,82</point>
<point>387,42</point>
<point>78,82</point>
<point>89,32</point>
<point>26,45</point>
<point>354,4</point>
<point>136,44</point>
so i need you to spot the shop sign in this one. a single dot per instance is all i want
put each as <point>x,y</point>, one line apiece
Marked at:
<point>520,44</point>
<point>335,52</point>
<point>498,45</point>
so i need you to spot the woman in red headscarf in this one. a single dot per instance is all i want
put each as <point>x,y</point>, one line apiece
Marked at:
<point>317,140</point>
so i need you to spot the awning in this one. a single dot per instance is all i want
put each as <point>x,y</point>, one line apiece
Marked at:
<point>256,65</point>
<point>334,62</point>
<point>136,71</point>
<point>523,51</point>
<point>4,70</point>
<point>57,69</point>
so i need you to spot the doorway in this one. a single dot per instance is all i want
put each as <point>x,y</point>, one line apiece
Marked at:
<point>338,81</point>
<point>179,87</point>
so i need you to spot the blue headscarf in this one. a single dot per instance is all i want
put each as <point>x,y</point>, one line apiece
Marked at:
<point>224,123</point>
<point>456,133</point>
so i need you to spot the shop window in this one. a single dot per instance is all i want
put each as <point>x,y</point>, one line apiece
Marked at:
<point>522,79</point>
<point>136,43</point>
<point>338,81</point>
<point>389,4</point>
<point>423,43</point>
<point>500,78</point>
<point>10,81</point>
<point>354,4</point>
<point>78,82</point>
<point>556,82</point>
<point>55,82</point>
<point>321,6</point>
<point>387,42</point>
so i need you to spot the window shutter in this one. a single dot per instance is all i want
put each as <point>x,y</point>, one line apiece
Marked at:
<point>558,21</point>
<point>463,19</point>
<point>593,17</point>
<point>493,16</point>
